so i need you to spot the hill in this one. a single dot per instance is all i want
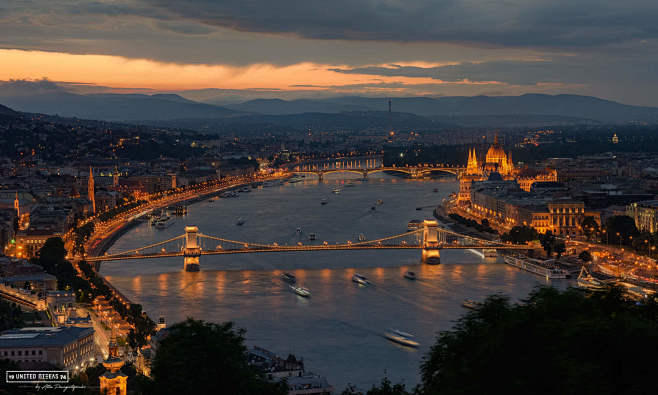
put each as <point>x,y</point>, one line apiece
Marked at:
<point>109,107</point>
<point>561,107</point>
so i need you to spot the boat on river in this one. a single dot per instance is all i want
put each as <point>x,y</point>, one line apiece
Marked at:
<point>336,191</point>
<point>289,278</point>
<point>240,221</point>
<point>536,266</point>
<point>301,291</point>
<point>404,338</point>
<point>410,275</point>
<point>361,280</point>
<point>471,304</point>
<point>163,222</point>
<point>324,201</point>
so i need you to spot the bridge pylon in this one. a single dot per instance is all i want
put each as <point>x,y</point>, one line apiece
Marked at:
<point>431,247</point>
<point>320,176</point>
<point>191,250</point>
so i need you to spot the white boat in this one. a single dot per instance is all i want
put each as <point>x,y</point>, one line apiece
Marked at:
<point>359,279</point>
<point>410,275</point>
<point>404,338</point>
<point>163,222</point>
<point>587,281</point>
<point>471,304</point>
<point>301,291</point>
<point>336,191</point>
<point>240,221</point>
<point>490,253</point>
<point>536,267</point>
<point>362,237</point>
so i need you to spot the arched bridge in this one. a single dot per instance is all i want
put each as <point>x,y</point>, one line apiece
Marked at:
<point>429,238</point>
<point>365,167</point>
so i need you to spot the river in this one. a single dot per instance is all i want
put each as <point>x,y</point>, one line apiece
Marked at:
<point>338,331</point>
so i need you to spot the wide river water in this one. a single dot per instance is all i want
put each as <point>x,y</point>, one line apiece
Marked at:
<point>338,330</point>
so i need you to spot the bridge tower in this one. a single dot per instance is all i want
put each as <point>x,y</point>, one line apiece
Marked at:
<point>191,250</point>
<point>431,242</point>
<point>320,175</point>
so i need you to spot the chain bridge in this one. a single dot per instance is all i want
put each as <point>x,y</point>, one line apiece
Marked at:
<point>429,238</point>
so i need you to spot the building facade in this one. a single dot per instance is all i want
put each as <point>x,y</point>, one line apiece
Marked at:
<point>70,348</point>
<point>499,162</point>
<point>645,215</point>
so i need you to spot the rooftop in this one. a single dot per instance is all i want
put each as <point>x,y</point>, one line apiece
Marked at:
<point>42,336</point>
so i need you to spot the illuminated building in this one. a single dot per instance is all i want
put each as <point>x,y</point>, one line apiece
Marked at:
<point>645,215</point>
<point>499,162</point>
<point>113,381</point>
<point>71,348</point>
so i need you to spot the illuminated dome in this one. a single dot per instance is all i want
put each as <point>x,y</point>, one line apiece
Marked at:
<point>496,153</point>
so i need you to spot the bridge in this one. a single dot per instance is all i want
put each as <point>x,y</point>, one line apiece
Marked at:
<point>365,167</point>
<point>429,238</point>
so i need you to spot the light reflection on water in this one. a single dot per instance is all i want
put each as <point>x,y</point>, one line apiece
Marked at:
<point>338,330</point>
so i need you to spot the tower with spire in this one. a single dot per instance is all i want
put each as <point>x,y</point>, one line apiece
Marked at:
<point>113,381</point>
<point>115,177</point>
<point>472,166</point>
<point>17,206</point>
<point>91,191</point>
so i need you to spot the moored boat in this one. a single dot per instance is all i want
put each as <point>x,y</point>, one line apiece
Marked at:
<point>585,280</point>
<point>536,266</point>
<point>404,338</point>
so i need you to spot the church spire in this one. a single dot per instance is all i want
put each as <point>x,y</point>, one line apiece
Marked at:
<point>472,167</point>
<point>17,205</point>
<point>91,191</point>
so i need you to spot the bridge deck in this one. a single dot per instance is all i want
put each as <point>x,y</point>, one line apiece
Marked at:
<point>301,248</point>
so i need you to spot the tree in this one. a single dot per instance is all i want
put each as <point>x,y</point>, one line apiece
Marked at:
<point>385,387</point>
<point>590,227</point>
<point>584,339</point>
<point>622,224</point>
<point>521,235</point>
<point>198,357</point>
<point>585,256</point>
<point>560,248</point>
<point>547,241</point>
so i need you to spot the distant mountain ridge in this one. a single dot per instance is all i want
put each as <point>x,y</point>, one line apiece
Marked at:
<point>568,106</point>
<point>48,98</point>
<point>112,107</point>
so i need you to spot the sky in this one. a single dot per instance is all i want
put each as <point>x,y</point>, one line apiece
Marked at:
<point>317,48</point>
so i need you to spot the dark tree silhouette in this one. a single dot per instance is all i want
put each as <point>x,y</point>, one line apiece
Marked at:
<point>555,342</point>
<point>198,357</point>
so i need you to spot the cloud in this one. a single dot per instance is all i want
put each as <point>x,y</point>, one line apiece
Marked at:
<point>554,23</point>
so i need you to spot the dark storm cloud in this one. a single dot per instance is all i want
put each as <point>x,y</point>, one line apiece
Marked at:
<point>513,22</point>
